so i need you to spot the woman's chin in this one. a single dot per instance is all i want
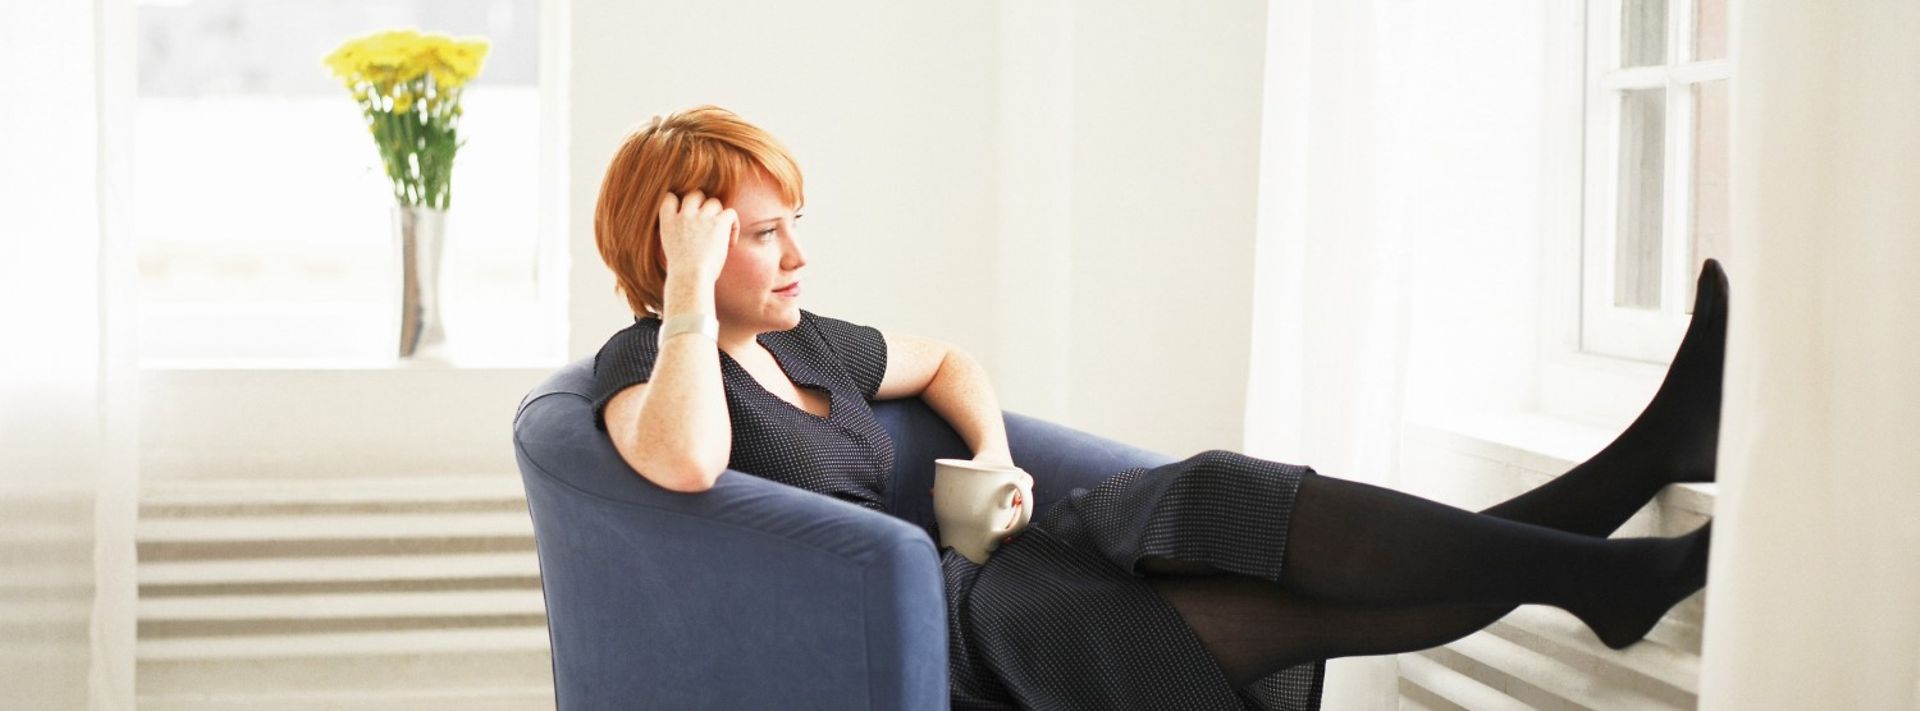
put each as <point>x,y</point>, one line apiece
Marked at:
<point>787,315</point>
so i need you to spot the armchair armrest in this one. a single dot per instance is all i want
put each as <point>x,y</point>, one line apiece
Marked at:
<point>1059,458</point>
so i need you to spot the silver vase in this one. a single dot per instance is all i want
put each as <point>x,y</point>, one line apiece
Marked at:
<point>419,234</point>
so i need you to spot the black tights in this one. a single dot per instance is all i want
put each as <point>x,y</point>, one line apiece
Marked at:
<point>1374,571</point>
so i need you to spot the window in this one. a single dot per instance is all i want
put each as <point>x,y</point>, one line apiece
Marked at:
<point>262,217</point>
<point>1655,200</point>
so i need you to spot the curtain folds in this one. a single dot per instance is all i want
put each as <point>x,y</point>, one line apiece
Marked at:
<point>1329,317</point>
<point>67,428</point>
<point>1811,599</point>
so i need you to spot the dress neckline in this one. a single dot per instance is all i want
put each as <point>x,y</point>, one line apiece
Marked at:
<point>801,378</point>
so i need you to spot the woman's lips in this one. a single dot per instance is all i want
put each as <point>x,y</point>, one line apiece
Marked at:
<point>792,290</point>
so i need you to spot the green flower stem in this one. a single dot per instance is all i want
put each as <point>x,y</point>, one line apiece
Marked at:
<point>417,146</point>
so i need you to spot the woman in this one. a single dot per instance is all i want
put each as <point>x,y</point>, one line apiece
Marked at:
<point>1213,582</point>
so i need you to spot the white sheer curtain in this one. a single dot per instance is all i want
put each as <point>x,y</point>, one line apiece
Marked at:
<point>1811,598</point>
<point>1330,323</point>
<point>67,436</point>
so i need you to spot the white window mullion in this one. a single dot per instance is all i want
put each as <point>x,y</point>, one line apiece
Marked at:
<point>1602,169</point>
<point>1646,334</point>
<point>1698,72</point>
<point>1636,77</point>
<point>1679,32</point>
<point>1677,232</point>
<point>1623,339</point>
<point>1674,230</point>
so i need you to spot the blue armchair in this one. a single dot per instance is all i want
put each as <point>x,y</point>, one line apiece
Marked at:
<point>754,594</point>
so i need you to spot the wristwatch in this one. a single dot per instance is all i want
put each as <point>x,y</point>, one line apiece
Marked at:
<point>690,323</point>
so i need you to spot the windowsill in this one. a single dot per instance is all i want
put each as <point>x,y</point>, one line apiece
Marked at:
<point>340,337</point>
<point>1539,447</point>
<point>350,364</point>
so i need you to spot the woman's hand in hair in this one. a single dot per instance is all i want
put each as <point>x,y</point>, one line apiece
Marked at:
<point>696,231</point>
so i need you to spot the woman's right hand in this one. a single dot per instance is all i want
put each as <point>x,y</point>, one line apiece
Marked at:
<point>696,232</point>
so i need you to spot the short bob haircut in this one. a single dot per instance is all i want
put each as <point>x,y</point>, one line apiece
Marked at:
<point>706,148</point>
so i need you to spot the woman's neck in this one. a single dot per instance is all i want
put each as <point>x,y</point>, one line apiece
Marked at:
<point>740,341</point>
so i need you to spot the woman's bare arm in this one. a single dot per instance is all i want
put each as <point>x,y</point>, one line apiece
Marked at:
<point>950,382</point>
<point>962,394</point>
<point>674,430</point>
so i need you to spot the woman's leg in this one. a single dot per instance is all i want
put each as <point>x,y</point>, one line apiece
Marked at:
<point>1255,627</point>
<point>1673,440</point>
<point>1375,571</point>
<point>1356,544</point>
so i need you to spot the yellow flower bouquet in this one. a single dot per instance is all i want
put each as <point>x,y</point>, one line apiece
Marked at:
<point>408,85</point>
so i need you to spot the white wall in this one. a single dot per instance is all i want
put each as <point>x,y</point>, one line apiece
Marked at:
<point>1165,176</point>
<point>890,109</point>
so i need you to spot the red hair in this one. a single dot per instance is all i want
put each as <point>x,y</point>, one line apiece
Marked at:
<point>707,148</point>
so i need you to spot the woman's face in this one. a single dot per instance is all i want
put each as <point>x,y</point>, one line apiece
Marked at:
<point>765,258</point>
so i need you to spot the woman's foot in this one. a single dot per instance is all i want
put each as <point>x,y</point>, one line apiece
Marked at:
<point>1681,426</point>
<point>1660,572</point>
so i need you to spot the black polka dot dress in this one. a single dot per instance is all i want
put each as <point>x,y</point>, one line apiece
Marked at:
<point>1058,617</point>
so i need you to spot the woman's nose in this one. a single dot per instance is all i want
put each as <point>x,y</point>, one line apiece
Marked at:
<point>795,259</point>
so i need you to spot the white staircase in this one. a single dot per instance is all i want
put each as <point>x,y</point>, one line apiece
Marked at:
<point>419,593</point>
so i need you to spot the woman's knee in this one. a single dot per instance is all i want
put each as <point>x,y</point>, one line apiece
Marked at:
<point>1236,471</point>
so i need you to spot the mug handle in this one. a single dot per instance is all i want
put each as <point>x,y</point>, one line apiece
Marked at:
<point>1025,513</point>
<point>1026,509</point>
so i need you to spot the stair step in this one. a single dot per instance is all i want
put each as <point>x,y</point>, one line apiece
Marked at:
<point>451,604</point>
<point>422,488</point>
<point>346,644</point>
<point>1453,686</point>
<point>340,569</point>
<point>522,698</point>
<point>46,612</point>
<point>1563,681</point>
<point>1676,667</point>
<point>250,497</point>
<point>374,663</point>
<point>336,527</point>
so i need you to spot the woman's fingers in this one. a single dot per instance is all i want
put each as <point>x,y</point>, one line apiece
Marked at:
<point>696,231</point>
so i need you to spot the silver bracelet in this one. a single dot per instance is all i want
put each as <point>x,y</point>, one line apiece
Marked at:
<point>690,323</point>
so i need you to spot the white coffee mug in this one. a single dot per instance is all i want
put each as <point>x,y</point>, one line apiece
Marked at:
<point>974,505</point>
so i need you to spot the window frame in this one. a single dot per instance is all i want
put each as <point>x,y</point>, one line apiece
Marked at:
<point>548,324</point>
<point>1577,379</point>
<point>1606,330</point>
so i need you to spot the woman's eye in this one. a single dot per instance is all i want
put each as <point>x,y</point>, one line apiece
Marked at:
<point>768,233</point>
